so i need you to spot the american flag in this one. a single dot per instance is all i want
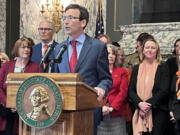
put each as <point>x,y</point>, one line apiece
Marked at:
<point>99,21</point>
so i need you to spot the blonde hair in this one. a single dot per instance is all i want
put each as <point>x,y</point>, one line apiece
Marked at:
<point>158,56</point>
<point>4,56</point>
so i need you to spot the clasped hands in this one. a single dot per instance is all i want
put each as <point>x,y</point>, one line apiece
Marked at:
<point>106,110</point>
<point>144,109</point>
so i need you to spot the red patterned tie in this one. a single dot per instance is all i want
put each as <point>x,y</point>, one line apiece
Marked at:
<point>45,49</point>
<point>73,59</point>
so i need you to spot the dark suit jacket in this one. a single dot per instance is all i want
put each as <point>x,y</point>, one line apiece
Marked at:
<point>8,67</point>
<point>160,91</point>
<point>37,54</point>
<point>173,67</point>
<point>92,63</point>
<point>173,92</point>
<point>174,102</point>
<point>118,94</point>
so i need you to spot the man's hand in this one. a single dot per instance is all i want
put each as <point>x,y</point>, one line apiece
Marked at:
<point>100,93</point>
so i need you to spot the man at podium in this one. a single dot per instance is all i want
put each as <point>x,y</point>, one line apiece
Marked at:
<point>84,55</point>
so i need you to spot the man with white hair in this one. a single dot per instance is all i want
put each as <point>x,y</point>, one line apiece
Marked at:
<point>46,31</point>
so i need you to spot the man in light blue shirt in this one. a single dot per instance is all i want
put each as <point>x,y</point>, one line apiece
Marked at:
<point>92,56</point>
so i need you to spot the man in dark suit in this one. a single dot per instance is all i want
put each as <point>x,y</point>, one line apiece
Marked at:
<point>46,31</point>
<point>91,55</point>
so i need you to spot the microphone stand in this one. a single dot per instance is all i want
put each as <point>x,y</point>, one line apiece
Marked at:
<point>50,63</point>
<point>41,67</point>
<point>57,59</point>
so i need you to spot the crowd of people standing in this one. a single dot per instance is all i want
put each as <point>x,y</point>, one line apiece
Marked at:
<point>152,91</point>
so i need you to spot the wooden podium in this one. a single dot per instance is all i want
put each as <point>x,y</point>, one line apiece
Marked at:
<point>79,101</point>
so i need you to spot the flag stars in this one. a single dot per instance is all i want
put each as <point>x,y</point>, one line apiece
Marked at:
<point>99,21</point>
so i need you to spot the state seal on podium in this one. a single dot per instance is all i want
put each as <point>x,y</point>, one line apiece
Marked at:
<point>39,102</point>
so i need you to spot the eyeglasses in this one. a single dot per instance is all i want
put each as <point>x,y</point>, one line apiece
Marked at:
<point>22,46</point>
<point>71,18</point>
<point>44,29</point>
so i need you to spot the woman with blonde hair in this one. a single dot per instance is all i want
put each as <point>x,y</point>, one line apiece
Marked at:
<point>4,58</point>
<point>148,92</point>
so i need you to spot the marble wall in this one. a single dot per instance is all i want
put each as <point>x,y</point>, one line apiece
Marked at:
<point>30,17</point>
<point>2,24</point>
<point>164,33</point>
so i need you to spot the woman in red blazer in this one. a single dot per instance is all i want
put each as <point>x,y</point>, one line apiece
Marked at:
<point>22,52</point>
<point>114,109</point>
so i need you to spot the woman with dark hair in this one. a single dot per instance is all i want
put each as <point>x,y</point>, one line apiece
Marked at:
<point>174,102</point>
<point>114,109</point>
<point>105,38</point>
<point>148,91</point>
<point>22,52</point>
<point>172,62</point>
<point>173,68</point>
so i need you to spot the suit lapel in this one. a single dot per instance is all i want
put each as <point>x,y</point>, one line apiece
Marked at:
<point>64,66</point>
<point>39,52</point>
<point>66,60</point>
<point>83,53</point>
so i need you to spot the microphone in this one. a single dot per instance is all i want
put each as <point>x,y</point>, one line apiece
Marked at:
<point>48,52</point>
<point>60,53</point>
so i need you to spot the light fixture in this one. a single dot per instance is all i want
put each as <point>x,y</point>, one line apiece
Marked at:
<point>53,10</point>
